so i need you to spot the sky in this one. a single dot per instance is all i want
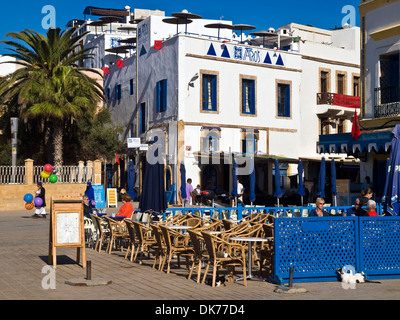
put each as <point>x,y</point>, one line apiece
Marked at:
<point>27,14</point>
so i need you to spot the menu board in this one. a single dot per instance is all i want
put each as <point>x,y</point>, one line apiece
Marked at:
<point>67,226</point>
<point>99,198</point>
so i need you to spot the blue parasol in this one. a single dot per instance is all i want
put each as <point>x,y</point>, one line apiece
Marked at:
<point>392,185</point>
<point>252,181</point>
<point>131,180</point>
<point>300,190</point>
<point>89,191</point>
<point>153,191</point>
<point>321,179</point>
<point>183,181</point>
<point>234,178</point>
<point>278,191</point>
<point>333,180</point>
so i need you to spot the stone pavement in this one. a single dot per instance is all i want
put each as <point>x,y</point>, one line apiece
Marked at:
<point>24,250</point>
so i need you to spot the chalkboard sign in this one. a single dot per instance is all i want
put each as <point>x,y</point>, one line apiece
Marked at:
<point>66,228</point>
<point>99,196</point>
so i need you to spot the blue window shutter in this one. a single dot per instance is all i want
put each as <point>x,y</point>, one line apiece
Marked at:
<point>158,91</point>
<point>214,93</point>
<point>287,100</point>
<point>204,93</point>
<point>165,90</point>
<point>252,97</point>
<point>243,96</point>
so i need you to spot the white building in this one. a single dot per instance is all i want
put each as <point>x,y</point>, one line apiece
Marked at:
<point>214,96</point>
<point>380,99</point>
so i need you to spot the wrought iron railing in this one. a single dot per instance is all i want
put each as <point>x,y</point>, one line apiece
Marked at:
<point>387,101</point>
<point>336,99</point>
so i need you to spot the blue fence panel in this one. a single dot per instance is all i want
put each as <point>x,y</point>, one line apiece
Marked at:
<point>380,247</point>
<point>315,247</point>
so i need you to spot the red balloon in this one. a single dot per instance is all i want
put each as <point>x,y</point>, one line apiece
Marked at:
<point>48,168</point>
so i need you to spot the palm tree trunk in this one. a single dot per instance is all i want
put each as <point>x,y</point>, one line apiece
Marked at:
<point>58,144</point>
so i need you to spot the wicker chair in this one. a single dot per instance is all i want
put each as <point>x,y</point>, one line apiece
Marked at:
<point>200,254</point>
<point>145,241</point>
<point>133,241</point>
<point>116,233</point>
<point>161,250</point>
<point>177,245</point>
<point>103,232</point>
<point>224,254</point>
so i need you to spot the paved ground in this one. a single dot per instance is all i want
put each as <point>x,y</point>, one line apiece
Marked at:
<point>23,255</point>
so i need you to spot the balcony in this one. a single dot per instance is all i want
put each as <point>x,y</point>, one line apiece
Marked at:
<point>333,105</point>
<point>387,102</point>
<point>336,99</point>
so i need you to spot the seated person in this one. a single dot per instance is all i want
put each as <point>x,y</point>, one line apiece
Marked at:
<point>126,209</point>
<point>366,195</point>
<point>356,211</point>
<point>319,210</point>
<point>87,205</point>
<point>197,195</point>
<point>371,209</point>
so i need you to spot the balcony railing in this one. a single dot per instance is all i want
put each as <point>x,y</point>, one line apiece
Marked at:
<point>336,99</point>
<point>387,101</point>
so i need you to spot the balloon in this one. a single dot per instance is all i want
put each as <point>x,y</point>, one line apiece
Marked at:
<point>38,202</point>
<point>29,205</point>
<point>45,174</point>
<point>53,178</point>
<point>28,197</point>
<point>48,168</point>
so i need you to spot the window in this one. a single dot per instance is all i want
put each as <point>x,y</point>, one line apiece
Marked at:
<point>210,139</point>
<point>131,87</point>
<point>248,96</point>
<point>209,92</point>
<point>324,82</point>
<point>118,92</point>
<point>249,144</point>
<point>283,100</point>
<point>340,83</point>
<point>356,86</point>
<point>142,124</point>
<point>162,95</point>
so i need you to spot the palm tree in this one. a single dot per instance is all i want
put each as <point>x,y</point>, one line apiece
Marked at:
<point>49,85</point>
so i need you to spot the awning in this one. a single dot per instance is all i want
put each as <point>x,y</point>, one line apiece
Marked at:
<point>378,140</point>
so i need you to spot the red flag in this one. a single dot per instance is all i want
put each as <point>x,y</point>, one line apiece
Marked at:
<point>105,70</point>
<point>355,130</point>
<point>157,44</point>
<point>117,159</point>
<point>120,63</point>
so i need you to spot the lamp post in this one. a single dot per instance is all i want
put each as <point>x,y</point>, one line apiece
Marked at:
<point>14,132</point>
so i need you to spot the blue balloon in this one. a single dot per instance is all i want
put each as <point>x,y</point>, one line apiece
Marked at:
<point>28,197</point>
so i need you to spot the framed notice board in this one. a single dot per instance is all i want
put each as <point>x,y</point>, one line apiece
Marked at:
<point>112,197</point>
<point>66,228</point>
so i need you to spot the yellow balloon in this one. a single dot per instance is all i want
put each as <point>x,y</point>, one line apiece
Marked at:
<point>45,174</point>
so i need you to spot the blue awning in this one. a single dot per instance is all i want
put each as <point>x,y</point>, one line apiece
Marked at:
<point>379,141</point>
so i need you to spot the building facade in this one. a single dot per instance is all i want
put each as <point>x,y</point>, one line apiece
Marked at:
<point>215,98</point>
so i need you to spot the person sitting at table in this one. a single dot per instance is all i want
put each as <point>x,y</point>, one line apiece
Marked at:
<point>126,209</point>
<point>356,210</point>
<point>196,194</point>
<point>87,205</point>
<point>319,210</point>
<point>371,209</point>
<point>366,195</point>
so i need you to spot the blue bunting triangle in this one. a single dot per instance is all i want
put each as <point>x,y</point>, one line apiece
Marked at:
<point>267,59</point>
<point>211,51</point>
<point>225,53</point>
<point>279,62</point>
<point>143,51</point>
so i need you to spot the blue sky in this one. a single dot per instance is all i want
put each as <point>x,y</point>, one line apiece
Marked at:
<point>27,14</point>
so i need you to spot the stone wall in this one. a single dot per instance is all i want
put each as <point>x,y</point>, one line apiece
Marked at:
<point>12,195</point>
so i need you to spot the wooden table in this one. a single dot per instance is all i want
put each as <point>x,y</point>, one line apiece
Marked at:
<point>250,241</point>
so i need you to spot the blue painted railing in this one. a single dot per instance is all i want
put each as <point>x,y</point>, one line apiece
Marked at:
<point>317,247</point>
<point>237,213</point>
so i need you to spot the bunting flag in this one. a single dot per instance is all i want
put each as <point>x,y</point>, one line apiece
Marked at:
<point>117,159</point>
<point>157,44</point>
<point>105,70</point>
<point>355,130</point>
<point>120,63</point>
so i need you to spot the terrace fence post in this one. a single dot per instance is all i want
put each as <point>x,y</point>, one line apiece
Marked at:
<point>28,171</point>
